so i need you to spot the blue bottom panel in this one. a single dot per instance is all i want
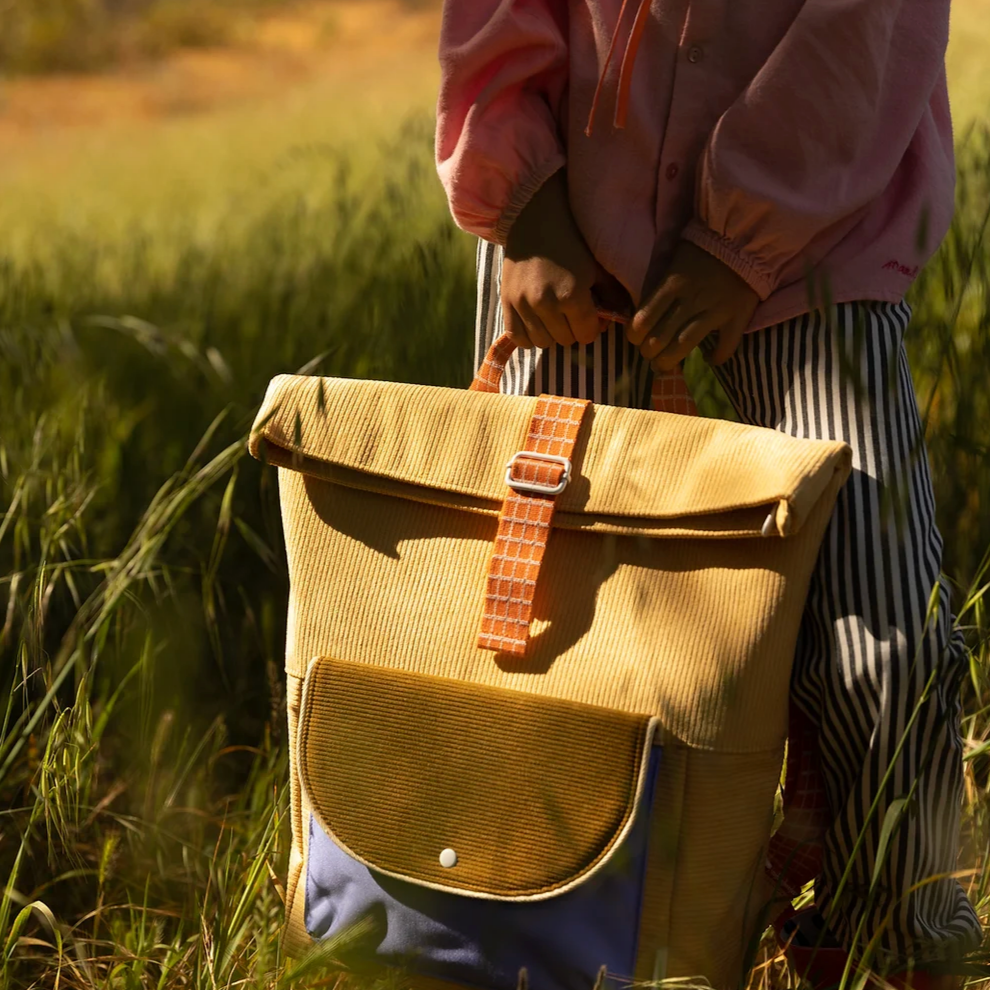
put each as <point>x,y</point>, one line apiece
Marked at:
<point>562,941</point>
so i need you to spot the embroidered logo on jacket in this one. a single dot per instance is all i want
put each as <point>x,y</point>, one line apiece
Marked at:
<point>896,266</point>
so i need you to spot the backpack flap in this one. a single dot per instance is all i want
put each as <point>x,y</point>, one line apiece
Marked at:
<point>658,474</point>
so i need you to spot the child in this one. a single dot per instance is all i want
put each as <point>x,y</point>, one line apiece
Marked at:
<point>771,179</point>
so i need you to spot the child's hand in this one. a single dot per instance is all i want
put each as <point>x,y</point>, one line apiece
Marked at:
<point>697,296</point>
<point>548,273</point>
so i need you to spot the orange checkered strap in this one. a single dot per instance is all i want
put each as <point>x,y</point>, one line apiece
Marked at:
<point>534,481</point>
<point>535,475</point>
<point>670,391</point>
<point>671,394</point>
<point>489,375</point>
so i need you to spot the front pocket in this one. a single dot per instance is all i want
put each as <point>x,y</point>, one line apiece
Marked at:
<point>486,830</point>
<point>561,941</point>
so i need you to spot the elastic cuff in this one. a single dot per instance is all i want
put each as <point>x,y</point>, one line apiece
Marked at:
<point>760,280</point>
<point>523,194</point>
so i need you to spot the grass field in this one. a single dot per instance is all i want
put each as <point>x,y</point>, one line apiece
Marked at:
<point>159,262</point>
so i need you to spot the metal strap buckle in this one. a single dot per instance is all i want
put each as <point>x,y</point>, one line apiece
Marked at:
<point>537,487</point>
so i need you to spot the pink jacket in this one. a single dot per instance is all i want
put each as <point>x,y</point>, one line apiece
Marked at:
<point>805,143</point>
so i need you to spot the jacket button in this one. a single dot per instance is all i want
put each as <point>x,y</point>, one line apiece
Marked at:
<point>448,858</point>
<point>672,170</point>
<point>695,53</point>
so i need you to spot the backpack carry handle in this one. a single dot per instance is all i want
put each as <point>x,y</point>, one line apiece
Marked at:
<point>670,392</point>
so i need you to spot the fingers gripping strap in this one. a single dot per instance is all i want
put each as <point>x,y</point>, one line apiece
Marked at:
<point>524,525</point>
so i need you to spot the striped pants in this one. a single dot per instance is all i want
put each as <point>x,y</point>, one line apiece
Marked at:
<point>878,664</point>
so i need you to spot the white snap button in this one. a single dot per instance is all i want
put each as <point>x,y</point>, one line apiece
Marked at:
<point>448,858</point>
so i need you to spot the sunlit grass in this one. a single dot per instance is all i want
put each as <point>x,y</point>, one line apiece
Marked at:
<point>968,66</point>
<point>186,176</point>
<point>142,756</point>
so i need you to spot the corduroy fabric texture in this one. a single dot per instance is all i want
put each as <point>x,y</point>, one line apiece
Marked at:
<point>699,632</point>
<point>532,793</point>
<point>633,463</point>
<point>672,589</point>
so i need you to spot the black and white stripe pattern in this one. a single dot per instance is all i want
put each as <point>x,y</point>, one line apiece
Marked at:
<point>876,668</point>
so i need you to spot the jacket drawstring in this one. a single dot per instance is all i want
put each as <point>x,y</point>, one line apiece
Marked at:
<point>625,71</point>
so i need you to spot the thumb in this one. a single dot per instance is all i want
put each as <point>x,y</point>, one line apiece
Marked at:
<point>582,315</point>
<point>729,338</point>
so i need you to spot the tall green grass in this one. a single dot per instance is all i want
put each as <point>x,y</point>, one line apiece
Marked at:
<point>142,758</point>
<point>143,831</point>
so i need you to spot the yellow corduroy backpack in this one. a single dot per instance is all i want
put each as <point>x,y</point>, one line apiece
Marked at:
<point>537,711</point>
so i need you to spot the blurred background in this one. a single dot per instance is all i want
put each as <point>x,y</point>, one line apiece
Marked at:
<point>196,195</point>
